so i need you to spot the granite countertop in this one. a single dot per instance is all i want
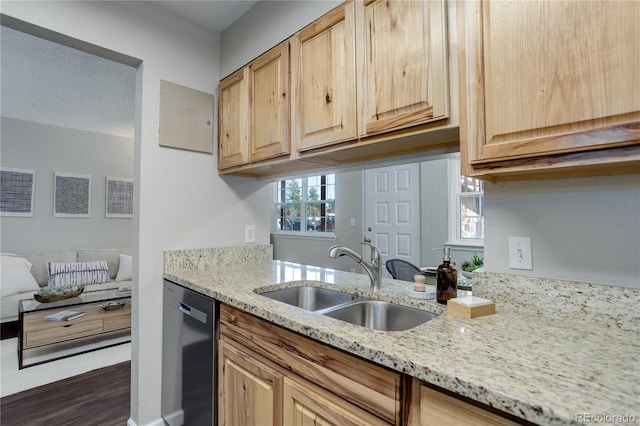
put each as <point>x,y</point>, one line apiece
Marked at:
<point>542,368</point>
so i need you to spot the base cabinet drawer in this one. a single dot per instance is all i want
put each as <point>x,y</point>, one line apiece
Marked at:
<point>306,404</point>
<point>432,407</point>
<point>65,331</point>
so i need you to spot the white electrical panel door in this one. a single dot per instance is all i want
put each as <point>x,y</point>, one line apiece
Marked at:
<point>186,118</point>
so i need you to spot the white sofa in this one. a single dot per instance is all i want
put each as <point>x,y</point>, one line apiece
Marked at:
<point>9,302</point>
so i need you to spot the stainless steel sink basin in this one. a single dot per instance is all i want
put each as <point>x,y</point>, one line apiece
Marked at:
<point>383,316</point>
<point>310,298</point>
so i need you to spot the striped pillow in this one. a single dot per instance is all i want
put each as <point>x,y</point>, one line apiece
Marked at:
<point>78,273</point>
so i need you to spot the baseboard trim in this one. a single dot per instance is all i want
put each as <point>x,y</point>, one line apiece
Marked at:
<point>158,422</point>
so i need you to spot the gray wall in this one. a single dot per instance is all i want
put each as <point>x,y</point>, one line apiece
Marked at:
<point>264,26</point>
<point>581,229</point>
<point>49,149</point>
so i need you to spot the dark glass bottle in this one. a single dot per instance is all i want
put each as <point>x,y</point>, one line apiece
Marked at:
<point>446,278</point>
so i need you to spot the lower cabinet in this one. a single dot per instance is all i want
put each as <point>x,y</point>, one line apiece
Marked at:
<point>306,404</point>
<point>270,376</point>
<point>250,392</point>
<point>255,392</point>
<point>432,407</point>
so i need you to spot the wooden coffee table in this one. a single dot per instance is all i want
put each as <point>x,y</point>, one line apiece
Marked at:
<point>42,341</point>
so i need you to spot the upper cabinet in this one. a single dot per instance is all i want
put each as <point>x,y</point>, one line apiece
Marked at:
<point>549,87</point>
<point>253,110</point>
<point>233,119</point>
<point>402,64</point>
<point>269,104</point>
<point>370,79</point>
<point>366,68</point>
<point>323,75</point>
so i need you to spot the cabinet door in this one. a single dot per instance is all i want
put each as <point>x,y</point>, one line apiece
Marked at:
<point>249,392</point>
<point>431,407</point>
<point>548,77</point>
<point>233,118</point>
<point>324,80</point>
<point>402,66</point>
<point>308,405</point>
<point>269,104</point>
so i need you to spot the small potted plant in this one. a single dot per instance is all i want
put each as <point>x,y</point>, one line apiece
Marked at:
<point>470,265</point>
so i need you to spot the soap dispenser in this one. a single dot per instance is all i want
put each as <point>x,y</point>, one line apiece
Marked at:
<point>446,278</point>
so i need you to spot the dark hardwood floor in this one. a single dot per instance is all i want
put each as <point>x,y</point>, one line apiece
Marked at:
<point>99,397</point>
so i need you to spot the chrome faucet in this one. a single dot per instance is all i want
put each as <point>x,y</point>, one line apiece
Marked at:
<point>372,267</point>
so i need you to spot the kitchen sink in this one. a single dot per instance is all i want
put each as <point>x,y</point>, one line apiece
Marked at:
<point>383,316</point>
<point>375,314</point>
<point>310,298</point>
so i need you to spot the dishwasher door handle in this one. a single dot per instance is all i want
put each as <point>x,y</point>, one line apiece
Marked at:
<point>190,311</point>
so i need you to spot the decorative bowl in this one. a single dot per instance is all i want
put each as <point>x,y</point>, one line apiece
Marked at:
<point>113,306</point>
<point>47,296</point>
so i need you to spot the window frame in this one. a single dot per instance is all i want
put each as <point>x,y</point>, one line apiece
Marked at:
<point>455,206</point>
<point>303,232</point>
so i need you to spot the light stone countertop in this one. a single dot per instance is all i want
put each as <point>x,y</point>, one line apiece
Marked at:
<point>544,369</point>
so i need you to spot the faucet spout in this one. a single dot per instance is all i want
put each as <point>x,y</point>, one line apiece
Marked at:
<point>372,267</point>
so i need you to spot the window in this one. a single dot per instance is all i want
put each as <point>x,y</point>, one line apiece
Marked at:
<point>467,203</point>
<point>305,205</point>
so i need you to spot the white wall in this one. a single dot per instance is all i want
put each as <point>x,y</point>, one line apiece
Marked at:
<point>49,149</point>
<point>181,202</point>
<point>582,229</point>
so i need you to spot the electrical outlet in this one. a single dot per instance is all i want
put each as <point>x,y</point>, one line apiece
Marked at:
<point>249,233</point>
<point>352,221</point>
<point>520,253</point>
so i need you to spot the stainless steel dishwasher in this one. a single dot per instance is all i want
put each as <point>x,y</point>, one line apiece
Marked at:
<point>188,357</point>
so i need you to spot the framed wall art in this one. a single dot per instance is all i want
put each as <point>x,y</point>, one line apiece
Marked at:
<point>72,195</point>
<point>119,203</point>
<point>17,188</point>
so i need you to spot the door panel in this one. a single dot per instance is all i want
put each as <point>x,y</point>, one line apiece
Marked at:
<point>392,212</point>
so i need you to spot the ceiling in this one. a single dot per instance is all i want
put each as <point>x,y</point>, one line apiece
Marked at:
<point>48,83</point>
<point>214,15</point>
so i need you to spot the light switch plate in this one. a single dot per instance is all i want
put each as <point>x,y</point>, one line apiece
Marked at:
<point>249,233</point>
<point>520,253</point>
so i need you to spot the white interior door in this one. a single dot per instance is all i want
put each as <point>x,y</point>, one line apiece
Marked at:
<point>392,212</point>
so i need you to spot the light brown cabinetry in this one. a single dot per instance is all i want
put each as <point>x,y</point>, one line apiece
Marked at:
<point>262,365</point>
<point>306,404</point>
<point>432,407</point>
<point>233,119</point>
<point>323,76</point>
<point>271,376</point>
<point>369,80</point>
<point>250,392</point>
<point>369,67</point>
<point>253,110</point>
<point>402,64</point>
<point>549,87</point>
